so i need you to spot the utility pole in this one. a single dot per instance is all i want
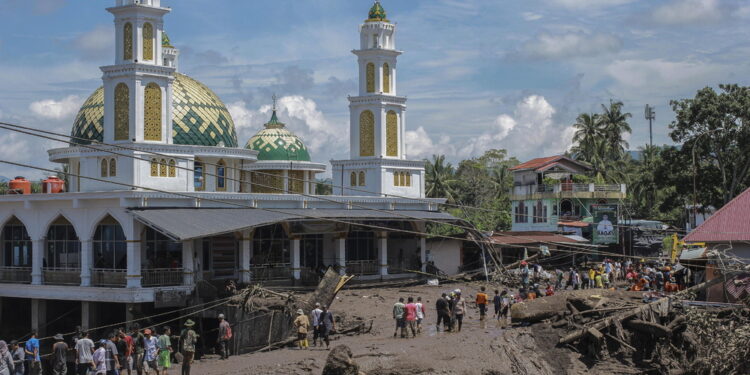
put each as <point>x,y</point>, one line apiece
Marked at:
<point>650,116</point>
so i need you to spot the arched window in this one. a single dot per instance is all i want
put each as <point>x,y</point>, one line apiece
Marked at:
<point>16,244</point>
<point>148,42</point>
<point>154,168</point>
<point>391,134</point>
<point>395,178</point>
<point>408,178</point>
<point>172,168</point>
<point>127,38</point>
<point>221,173</point>
<point>109,245</point>
<point>370,74</point>
<point>353,179</point>
<point>122,112</point>
<point>163,168</point>
<point>401,179</point>
<point>366,134</point>
<point>198,176</point>
<point>386,78</point>
<point>361,178</point>
<point>63,247</point>
<point>161,251</point>
<point>112,167</point>
<point>152,113</point>
<point>105,168</point>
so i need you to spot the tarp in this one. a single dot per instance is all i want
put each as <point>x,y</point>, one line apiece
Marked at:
<point>190,223</point>
<point>692,254</point>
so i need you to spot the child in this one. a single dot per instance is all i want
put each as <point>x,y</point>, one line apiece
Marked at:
<point>497,302</point>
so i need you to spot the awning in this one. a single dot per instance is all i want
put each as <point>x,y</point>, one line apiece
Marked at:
<point>189,223</point>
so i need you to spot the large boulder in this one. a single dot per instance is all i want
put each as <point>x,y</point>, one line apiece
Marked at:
<point>340,362</point>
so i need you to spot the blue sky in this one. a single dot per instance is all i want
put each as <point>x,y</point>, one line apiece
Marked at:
<point>478,74</point>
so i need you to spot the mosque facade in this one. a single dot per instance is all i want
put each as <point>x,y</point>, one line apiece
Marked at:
<point>162,200</point>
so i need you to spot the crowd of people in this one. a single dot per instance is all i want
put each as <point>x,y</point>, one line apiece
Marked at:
<point>322,325</point>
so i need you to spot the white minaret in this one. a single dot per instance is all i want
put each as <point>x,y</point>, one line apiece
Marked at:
<point>378,164</point>
<point>138,87</point>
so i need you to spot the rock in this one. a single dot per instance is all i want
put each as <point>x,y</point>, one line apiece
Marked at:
<point>340,362</point>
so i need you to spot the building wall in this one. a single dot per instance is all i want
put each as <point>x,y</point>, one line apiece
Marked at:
<point>446,254</point>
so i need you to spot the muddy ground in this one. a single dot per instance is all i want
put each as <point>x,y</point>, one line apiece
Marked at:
<point>480,348</point>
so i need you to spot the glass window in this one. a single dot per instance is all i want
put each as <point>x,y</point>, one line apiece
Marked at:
<point>112,167</point>
<point>271,246</point>
<point>154,168</point>
<point>172,168</point>
<point>16,244</point>
<point>353,179</point>
<point>221,173</point>
<point>63,247</point>
<point>163,168</point>
<point>361,178</point>
<point>109,245</point>
<point>105,168</point>
<point>198,176</point>
<point>361,246</point>
<point>161,251</point>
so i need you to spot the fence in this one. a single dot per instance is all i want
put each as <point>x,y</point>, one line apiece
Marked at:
<point>62,276</point>
<point>15,275</point>
<point>362,267</point>
<point>162,277</point>
<point>108,277</point>
<point>271,271</point>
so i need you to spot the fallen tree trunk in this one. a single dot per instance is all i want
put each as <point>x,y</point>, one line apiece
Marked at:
<point>576,335</point>
<point>643,326</point>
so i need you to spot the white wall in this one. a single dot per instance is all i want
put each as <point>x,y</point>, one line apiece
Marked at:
<point>446,254</point>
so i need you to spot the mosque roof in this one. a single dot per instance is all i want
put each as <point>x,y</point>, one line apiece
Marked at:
<point>276,142</point>
<point>377,13</point>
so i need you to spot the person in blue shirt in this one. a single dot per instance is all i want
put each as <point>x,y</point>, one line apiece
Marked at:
<point>33,362</point>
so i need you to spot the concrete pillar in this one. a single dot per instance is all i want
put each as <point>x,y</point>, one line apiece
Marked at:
<point>198,266</point>
<point>341,254</point>
<point>423,252</point>
<point>285,174</point>
<point>296,270</point>
<point>133,276</point>
<point>129,315</point>
<point>85,315</point>
<point>306,182</point>
<point>188,273</point>
<point>37,260</point>
<point>246,254</point>
<point>383,253</point>
<point>86,256</point>
<point>38,316</point>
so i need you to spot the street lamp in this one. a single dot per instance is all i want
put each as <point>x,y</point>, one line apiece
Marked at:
<point>650,116</point>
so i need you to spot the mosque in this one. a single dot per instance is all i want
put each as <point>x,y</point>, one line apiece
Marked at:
<point>164,204</point>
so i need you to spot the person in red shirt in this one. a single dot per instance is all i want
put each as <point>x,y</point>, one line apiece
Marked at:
<point>127,364</point>
<point>410,312</point>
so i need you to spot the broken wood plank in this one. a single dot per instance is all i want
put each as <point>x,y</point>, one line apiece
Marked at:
<point>643,326</point>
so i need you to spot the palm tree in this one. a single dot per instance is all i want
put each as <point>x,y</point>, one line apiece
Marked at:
<point>587,134</point>
<point>614,123</point>
<point>439,178</point>
<point>500,177</point>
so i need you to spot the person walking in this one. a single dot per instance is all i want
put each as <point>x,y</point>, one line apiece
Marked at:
<point>481,301</point>
<point>497,302</point>
<point>188,339</point>
<point>127,359</point>
<point>122,348</point>
<point>33,361</point>
<point>165,350</point>
<point>398,316</point>
<point>302,324</point>
<point>138,348</point>
<point>443,312</point>
<point>84,351</point>
<point>315,314</point>
<point>410,316</point>
<point>110,348</point>
<point>459,308</point>
<point>225,334</point>
<point>18,358</point>
<point>59,355</point>
<point>100,358</point>
<point>327,325</point>
<point>150,352</point>
<point>420,314</point>
<point>6,360</point>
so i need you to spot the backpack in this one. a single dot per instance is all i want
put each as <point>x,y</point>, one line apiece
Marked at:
<point>229,332</point>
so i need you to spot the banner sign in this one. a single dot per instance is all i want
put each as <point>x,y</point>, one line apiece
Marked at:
<point>605,224</point>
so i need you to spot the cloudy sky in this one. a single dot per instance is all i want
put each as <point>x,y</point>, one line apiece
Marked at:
<point>478,74</point>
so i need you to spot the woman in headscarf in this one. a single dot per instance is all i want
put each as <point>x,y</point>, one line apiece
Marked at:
<point>6,360</point>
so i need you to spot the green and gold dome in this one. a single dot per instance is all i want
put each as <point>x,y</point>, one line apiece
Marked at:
<point>277,143</point>
<point>377,13</point>
<point>199,117</point>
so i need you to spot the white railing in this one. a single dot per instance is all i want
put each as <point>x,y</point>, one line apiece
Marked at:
<point>362,267</point>
<point>567,187</point>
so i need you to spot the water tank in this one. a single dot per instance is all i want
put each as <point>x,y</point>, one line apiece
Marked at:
<point>53,185</point>
<point>19,185</point>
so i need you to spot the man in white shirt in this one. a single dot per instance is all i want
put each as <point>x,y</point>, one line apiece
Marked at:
<point>315,315</point>
<point>84,354</point>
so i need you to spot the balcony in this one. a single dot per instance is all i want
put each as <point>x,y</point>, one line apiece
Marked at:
<point>161,277</point>
<point>271,271</point>
<point>108,277</point>
<point>362,267</point>
<point>569,190</point>
<point>15,275</point>
<point>61,276</point>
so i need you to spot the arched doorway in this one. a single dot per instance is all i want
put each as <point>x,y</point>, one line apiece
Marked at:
<point>361,253</point>
<point>16,247</point>
<point>62,255</point>
<point>110,254</point>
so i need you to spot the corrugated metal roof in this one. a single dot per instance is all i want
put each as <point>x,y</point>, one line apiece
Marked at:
<point>190,223</point>
<point>729,223</point>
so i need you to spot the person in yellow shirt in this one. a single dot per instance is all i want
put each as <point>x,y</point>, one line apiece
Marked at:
<point>302,324</point>
<point>482,303</point>
<point>592,275</point>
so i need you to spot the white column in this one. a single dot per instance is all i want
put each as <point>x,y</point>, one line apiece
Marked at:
<point>341,254</point>
<point>383,254</point>
<point>129,316</point>
<point>246,253</point>
<point>38,315</point>
<point>423,252</point>
<point>285,174</point>
<point>133,276</point>
<point>86,256</point>
<point>306,182</point>
<point>188,273</point>
<point>85,315</point>
<point>296,274</point>
<point>37,260</point>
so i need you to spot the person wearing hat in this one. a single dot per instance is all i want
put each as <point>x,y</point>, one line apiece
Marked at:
<point>302,324</point>
<point>150,345</point>
<point>459,308</point>
<point>188,339</point>
<point>225,334</point>
<point>59,355</point>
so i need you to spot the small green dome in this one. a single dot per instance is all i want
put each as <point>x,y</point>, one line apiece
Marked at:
<point>377,13</point>
<point>165,42</point>
<point>275,142</point>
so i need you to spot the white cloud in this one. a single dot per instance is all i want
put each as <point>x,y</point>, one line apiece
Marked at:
<point>570,44</point>
<point>58,110</point>
<point>658,77</point>
<point>531,16</point>
<point>685,12</point>
<point>588,4</point>
<point>419,145</point>
<point>96,42</point>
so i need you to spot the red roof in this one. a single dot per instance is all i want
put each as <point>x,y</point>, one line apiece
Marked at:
<point>542,164</point>
<point>729,223</point>
<point>573,224</point>
<point>523,238</point>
